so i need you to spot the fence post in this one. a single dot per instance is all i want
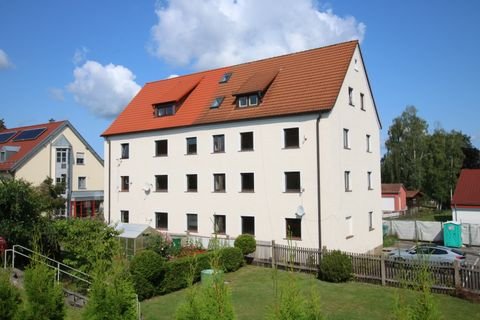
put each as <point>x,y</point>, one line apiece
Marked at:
<point>457,279</point>
<point>13,257</point>
<point>382,269</point>
<point>273,253</point>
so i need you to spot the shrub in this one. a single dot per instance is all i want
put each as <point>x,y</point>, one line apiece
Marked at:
<point>146,269</point>
<point>246,243</point>
<point>161,244</point>
<point>335,267</point>
<point>177,272</point>
<point>231,259</point>
<point>9,297</point>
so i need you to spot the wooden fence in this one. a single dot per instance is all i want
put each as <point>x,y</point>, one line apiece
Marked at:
<point>377,269</point>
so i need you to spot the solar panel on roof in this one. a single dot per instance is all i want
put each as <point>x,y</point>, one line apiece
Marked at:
<point>5,136</point>
<point>31,134</point>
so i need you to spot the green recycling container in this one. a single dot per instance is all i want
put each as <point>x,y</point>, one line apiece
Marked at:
<point>177,243</point>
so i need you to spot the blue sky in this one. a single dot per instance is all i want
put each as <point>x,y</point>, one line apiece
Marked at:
<point>84,60</point>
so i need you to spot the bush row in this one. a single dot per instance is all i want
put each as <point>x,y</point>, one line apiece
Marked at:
<point>153,275</point>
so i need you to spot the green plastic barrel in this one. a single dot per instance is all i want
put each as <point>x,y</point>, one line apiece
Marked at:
<point>177,243</point>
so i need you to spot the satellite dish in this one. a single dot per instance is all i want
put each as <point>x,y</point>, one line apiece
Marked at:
<point>300,211</point>
<point>147,187</point>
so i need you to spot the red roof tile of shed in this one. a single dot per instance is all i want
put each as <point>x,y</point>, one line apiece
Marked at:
<point>307,81</point>
<point>26,146</point>
<point>391,187</point>
<point>467,192</point>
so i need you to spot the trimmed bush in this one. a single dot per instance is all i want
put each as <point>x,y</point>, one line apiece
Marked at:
<point>147,271</point>
<point>335,267</point>
<point>246,243</point>
<point>231,259</point>
<point>178,272</point>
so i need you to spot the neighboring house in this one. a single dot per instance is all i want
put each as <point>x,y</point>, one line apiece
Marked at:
<point>466,199</point>
<point>285,147</point>
<point>394,199</point>
<point>414,198</point>
<point>55,150</point>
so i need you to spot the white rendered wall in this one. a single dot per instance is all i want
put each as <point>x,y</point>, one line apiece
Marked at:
<point>466,215</point>
<point>269,204</point>
<point>337,204</point>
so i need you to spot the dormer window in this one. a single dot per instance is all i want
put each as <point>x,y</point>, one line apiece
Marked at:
<point>162,110</point>
<point>217,102</point>
<point>248,101</point>
<point>225,77</point>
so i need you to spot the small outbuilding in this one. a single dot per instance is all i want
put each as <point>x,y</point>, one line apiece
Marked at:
<point>394,199</point>
<point>133,237</point>
<point>466,198</point>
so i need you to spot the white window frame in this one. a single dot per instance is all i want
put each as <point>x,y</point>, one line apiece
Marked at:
<point>369,180</point>
<point>80,155</point>
<point>368,143</point>
<point>350,96</point>
<point>349,222</point>
<point>370,221</point>
<point>348,186</point>
<point>346,140</point>
<point>82,183</point>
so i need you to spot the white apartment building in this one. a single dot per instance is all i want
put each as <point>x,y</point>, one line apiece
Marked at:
<point>285,147</point>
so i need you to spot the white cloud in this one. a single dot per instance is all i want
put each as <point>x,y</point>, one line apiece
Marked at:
<point>4,60</point>
<point>56,94</point>
<point>104,90</point>
<point>172,76</point>
<point>211,33</point>
<point>80,56</point>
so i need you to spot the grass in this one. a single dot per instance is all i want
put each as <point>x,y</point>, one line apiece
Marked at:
<point>389,241</point>
<point>252,293</point>
<point>425,214</point>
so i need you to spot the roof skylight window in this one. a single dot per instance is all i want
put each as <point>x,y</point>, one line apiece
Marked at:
<point>217,102</point>
<point>225,77</point>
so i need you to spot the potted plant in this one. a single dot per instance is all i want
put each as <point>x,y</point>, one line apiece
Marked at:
<point>248,245</point>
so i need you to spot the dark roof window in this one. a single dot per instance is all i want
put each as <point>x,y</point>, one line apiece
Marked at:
<point>225,77</point>
<point>5,136</point>
<point>162,110</point>
<point>217,102</point>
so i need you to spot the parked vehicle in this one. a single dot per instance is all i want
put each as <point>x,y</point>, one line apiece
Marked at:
<point>430,253</point>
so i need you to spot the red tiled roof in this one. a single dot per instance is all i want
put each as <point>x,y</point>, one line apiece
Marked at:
<point>391,187</point>
<point>307,81</point>
<point>414,193</point>
<point>467,192</point>
<point>26,146</point>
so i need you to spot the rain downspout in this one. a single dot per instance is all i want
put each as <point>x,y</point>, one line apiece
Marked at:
<point>317,133</point>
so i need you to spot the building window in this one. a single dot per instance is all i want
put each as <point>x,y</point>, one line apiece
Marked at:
<point>3,156</point>
<point>125,151</point>
<point>293,229</point>
<point>369,180</point>
<point>370,220</point>
<point>192,222</point>
<point>347,181</point>
<point>163,110</point>
<point>217,102</point>
<point>291,138</point>
<point>62,155</point>
<point>219,224</point>
<point>161,220</point>
<point>161,148</point>
<point>349,222</point>
<point>248,184</point>
<point>247,101</point>
<point>248,225</point>
<point>192,145</point>
<point>125,183</point>
<point>246,141</point>
<point>219,182</point>
<point>124,216</point>
<point>191,182</point>
<point>161,183</point>
<point>82,183</point>
<point>368,143</point>
<point>219,143</point>
<point>226,76</point>
<point>346,142</point>
<point>350,96</point>
<point>80,158</point>
<point>362,101</point>
<point>292,181</point>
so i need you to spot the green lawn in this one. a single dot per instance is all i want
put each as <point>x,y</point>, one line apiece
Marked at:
<point>425,214</point>
<point>252,292</point>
